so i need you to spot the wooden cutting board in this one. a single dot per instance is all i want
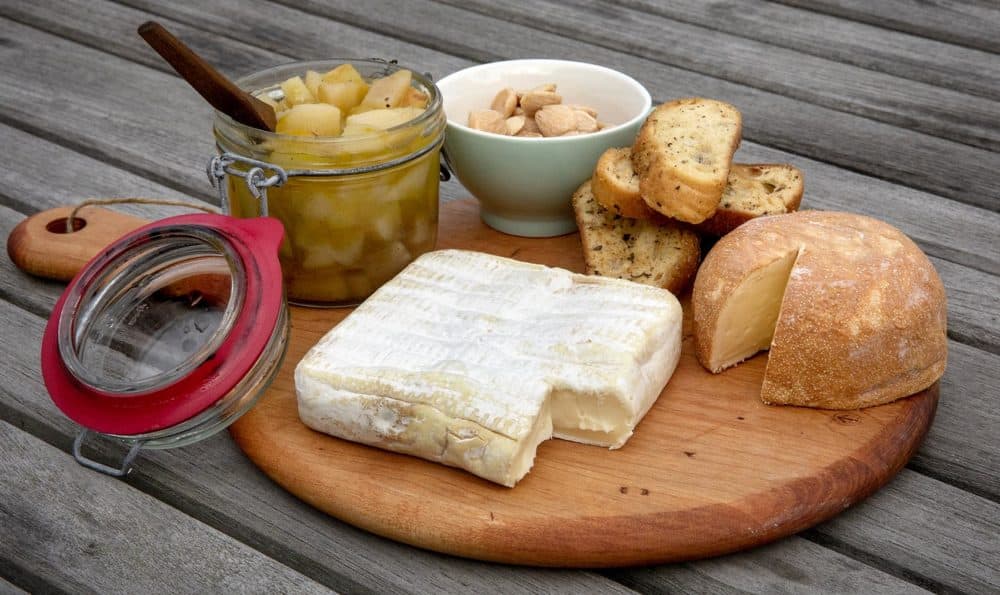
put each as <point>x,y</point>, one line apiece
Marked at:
<point>710,469</point>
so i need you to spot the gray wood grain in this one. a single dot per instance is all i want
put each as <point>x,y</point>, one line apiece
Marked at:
<point>973,24</point>
<point>35,295</point>
<point>213,482</point>
<point>851,42</point>
<point>835,85</point>
<point>882,150</point>
<point>294,32</point>
<point>155,125</point>
<point>927,541</point>
<point>963,445</point>
<point>973,305</point>
<point>112,28</point>
<point>70,529</point>
<point>7,588</point>
<point>41,174</point>
<point>807,567</point>
<point>287,24</point>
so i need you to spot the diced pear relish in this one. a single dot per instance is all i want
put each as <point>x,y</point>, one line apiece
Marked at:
<point>329,104</point>
<point>346,235</point>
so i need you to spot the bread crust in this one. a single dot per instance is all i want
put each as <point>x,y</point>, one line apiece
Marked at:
<point>683,154</point>
<point>616,185</point>
<point>744,206</point>
<point>669,261</point>
<point>863,320</point>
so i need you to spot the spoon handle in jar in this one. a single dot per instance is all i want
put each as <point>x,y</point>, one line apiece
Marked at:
<point>42,246</point>
<point>219,91</point>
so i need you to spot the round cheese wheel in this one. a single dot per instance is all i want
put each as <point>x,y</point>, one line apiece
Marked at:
<point>851,309</point>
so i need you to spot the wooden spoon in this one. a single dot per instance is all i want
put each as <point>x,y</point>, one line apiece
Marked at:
<point>219,91</point>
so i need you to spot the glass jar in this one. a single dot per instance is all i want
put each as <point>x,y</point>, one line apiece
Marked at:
<point>170,334</point>
<point>356,209</point>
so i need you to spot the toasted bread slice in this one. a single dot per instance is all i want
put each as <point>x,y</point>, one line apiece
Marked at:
<point>616,185</point>
<point>661,254</point>
<point>683,154</point>
<point>754,191</point>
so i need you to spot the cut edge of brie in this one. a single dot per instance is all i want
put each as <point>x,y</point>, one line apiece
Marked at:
<point>609,419</point>
<point>422,430</point>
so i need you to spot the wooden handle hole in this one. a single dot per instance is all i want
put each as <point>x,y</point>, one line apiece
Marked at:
<point>62,225</point>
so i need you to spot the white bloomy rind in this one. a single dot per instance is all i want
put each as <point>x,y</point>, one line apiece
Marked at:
<point>472,360</point>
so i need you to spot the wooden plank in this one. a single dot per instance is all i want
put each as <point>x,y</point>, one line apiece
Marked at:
<point>213,482</point>
<point>934,534</point>
<point>945,228</point>
<point>805,566</point>
<point>851,42</point>
<point>906,103</point>
<point>973,24</point>
<point>69,529</point>
<point>7,588</point>
<point>111,27</point>
<point>41,174</point>
<point>187,137</point>
<point>973,305</point>
<point>155,126</point>
<point>862,144</point>
<point>37,296</point>
<point>962,446</point>
<point>289,30</point>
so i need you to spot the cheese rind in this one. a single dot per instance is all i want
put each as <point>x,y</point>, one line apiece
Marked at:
<point>471,360</point>
<point>862,319</point>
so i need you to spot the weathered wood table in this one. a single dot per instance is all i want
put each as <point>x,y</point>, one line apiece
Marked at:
<point>891,108</point>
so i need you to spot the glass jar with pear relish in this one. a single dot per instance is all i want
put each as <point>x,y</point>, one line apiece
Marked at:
<point>357,207</point>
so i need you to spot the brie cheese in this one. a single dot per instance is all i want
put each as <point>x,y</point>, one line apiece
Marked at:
<point>472,360</point>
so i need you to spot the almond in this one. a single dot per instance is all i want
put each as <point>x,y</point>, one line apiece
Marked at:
<point>583,108</point>
<point>555,120</point>
<point>532,101</point>
<point>514,124</point>
<point>584,121</point>
<point>487,120</point>
<point>505,102</point>
<point>530,128</point>
<point>546,88</point>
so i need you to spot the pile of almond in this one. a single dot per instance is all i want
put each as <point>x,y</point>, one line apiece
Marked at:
<point>536,113</point>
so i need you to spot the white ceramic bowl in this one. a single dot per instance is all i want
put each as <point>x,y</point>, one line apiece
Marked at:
<point>524,185</point>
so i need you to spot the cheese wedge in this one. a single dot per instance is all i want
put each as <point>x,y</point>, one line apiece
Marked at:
<point>472,360</point>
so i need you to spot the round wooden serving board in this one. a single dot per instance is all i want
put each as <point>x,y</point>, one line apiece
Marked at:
<point>710,469</point>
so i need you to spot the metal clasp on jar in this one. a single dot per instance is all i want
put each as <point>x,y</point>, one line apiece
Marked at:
<point>256,177</point>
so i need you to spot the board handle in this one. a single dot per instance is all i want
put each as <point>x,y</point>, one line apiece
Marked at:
<point>41,245</point>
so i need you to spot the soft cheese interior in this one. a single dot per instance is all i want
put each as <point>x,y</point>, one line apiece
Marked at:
<point>472,360</point>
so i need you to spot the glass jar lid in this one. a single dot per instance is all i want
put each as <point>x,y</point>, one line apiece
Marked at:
<point>164,323</point>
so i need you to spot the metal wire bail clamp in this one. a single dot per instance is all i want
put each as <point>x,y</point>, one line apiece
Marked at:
<point>120,471</point>
<point>256,176</point>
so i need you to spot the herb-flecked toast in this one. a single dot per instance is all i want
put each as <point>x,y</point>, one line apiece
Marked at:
<point>651,252</point>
